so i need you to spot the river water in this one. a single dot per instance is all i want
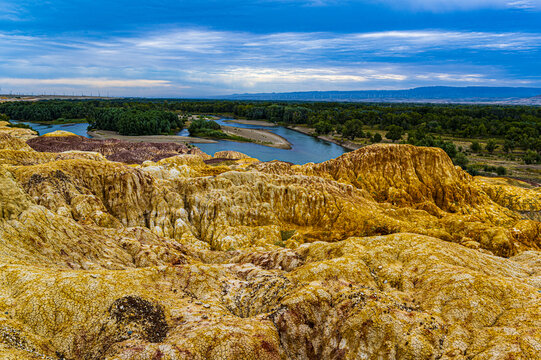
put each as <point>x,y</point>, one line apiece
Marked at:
<point>304,148</point>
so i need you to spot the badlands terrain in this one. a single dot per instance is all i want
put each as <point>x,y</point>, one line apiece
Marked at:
<point>116,250</point>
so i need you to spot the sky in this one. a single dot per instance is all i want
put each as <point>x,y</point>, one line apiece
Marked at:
<point>165,48</point>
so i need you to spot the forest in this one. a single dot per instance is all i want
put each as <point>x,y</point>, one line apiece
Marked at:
<point>519,127</point>
<point>125,118</point>
<point>130,121</point>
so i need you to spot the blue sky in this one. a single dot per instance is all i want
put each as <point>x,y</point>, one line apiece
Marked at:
<point>210,47</point>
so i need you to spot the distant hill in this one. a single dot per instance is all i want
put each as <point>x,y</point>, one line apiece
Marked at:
<point>439,94</point>
<point>536,100</point>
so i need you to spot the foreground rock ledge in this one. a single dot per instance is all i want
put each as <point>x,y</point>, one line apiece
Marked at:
<point>385,252</point>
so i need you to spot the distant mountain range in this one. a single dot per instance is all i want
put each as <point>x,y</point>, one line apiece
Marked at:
<point>432,94</point>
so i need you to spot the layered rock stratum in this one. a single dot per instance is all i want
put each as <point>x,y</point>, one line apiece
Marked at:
<point>387,252</point>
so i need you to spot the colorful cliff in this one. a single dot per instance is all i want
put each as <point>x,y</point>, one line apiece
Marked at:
<point>387,252</point>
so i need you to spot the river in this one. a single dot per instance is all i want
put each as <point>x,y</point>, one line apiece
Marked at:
<point>304,148</point>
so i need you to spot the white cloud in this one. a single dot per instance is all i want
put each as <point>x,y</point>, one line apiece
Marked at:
<point>10,11</point>
<point>224,61</point>
<point>449,5</point>
<point>90,82</point>
<point>432,5</point>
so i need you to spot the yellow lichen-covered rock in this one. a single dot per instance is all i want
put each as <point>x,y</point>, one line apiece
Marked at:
<point>388,252</point>
<point>402,175</point>
<point>513,195</point>
<point>59,133</point>
<point>9,142</point>
<point>18,133</point>
<point>235,155</point>
<point>181,166</point>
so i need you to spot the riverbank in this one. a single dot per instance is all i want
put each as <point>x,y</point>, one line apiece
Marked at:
<point>104,135</point>
<point>251,122</point>
<point>346,144</point>
<point>259,136</point>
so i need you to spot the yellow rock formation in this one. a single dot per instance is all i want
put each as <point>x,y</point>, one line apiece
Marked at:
<point>59,133</point>
<point>388,252</point>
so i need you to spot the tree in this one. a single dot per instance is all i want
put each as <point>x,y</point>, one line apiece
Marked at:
<point>532,157</point>
<point>394,132</point>
<point>4,117</point>
<point>376,138</point>
<point>491,146</point>
<point>323,127</point>
<point>475,147</point>
<point>500,170</point>
<point>508,146</point>
<point>201,124</point>
<point>353,128</point>
<point>461,160</point>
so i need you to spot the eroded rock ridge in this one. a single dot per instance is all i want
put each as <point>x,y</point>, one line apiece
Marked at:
<point>389,251</point>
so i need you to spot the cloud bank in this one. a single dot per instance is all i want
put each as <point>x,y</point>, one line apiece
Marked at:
<point>199,61</point>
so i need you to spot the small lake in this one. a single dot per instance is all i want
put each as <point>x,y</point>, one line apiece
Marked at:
<point>304,148</point>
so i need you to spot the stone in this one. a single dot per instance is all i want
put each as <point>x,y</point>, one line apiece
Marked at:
<point>389,251</point>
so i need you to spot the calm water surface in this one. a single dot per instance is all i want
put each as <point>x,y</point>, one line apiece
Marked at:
<point>304,148</point>
<point>78,129</point>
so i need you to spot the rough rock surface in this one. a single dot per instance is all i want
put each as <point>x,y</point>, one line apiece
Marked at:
<point>388,252</point>
<point>114,150</point>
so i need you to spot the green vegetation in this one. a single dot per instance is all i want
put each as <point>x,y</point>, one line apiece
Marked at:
<point>501,130</point>
<point>532,157</point>
<point>21,126</point>
<point>491,146</point>
<point>135,122</point>
<point>476,147</point>
<point>478,168</point>
<point>323,127</point>
<point>394,133</point>
<point>376,138</point>
<point>287,234</point>
<point>61,121</point>
<point>46,111</point>
<point>126,118</point>
<point>353,128</point>
<point>211,129</point>
<point>4,117</point>
<point>205,128</point>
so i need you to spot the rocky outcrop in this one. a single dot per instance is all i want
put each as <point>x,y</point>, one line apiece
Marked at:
<point>15,132</point>
<point>515,195</point>
<point>114,150</point>
<point>235,155</point>
<point>386,252</point>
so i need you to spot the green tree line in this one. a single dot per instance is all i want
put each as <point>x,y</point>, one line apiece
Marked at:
<point>518,126</point>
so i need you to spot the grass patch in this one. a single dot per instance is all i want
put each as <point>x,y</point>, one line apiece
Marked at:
<point>218,134</point>
<point>61,121</point>
<point>287,234</point>
<point>20,126</point>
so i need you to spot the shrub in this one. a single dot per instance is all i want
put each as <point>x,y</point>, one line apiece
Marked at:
<point>476,147</point>
<point>491,146</point>
<point>395,133</point>
<point>323,127</point>
<point>532,157</point>
<point>461,160</point>
<point>500,170</point>
<point>376,138</point>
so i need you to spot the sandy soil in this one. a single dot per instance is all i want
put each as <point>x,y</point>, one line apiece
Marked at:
<point>262,137</point>
<point>103,134</point>
<point>251,122</point>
